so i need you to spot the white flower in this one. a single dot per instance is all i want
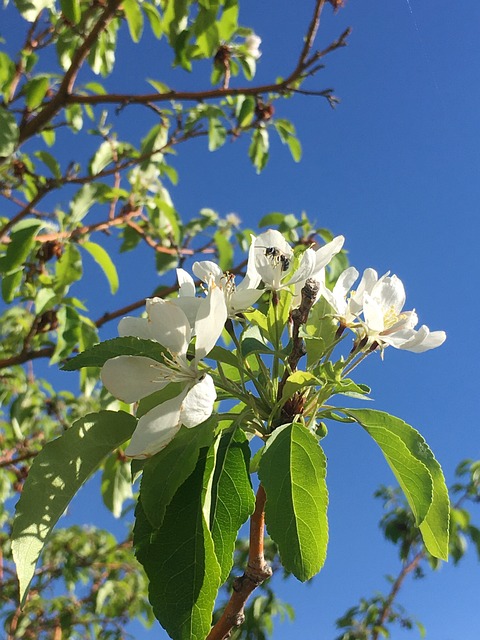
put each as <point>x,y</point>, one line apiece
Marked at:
<point>386,323</point>
<point>252,45</point>
<point>131,378</point>
<point>347,303</point>
<point>273,261</point>
<point>237,298</point>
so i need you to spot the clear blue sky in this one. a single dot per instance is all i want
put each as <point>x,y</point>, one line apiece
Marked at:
<point>396,169</point>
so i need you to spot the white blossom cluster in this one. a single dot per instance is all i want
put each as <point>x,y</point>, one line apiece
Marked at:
<point>374,311</point>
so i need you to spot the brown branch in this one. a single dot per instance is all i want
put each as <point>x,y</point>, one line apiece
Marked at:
<point>35,125</point>
<point>256,572</point>
<point>284,86</point>
<point>299,317</point>
<point>408,568</point>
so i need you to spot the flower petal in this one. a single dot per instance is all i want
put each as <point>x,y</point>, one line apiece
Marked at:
<point>305,269</point>
<point>424,339</point>
<point>252,278</point>
<point>390,293</point>
<point>130,378</point>
<point>198,403</point>
<point>137,327</point>
<point>186,284</point>
<point>211,317</point>
<point>206,270</point>
<point>156,428</point>
<point>324,254</point>
<point>373,313</point>
<point>169,325</point>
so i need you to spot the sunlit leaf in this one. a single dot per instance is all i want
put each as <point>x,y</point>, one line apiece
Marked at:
<point>104,261</point>
<point>292,470</point>
<point>57,473</point>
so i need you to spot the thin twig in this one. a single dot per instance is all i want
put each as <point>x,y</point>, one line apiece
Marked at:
<point>256,572</point>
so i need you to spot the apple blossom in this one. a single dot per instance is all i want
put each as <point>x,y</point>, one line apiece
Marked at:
<point>386,324</point>
<point>131,378</point>
<point>239,297</point>
<point>273,261</point>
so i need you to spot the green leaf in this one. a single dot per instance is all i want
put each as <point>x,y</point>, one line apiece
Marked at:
<point>417,471</point>
<point>35,90</point>
<point>292,470</point>
<point>50,161</point>
<point>10,284</point>
<point>82,202</point>
<point>180,561</point>
<point>31,8</point>
<point>232,497</point>
<point>68,268</point>
<point>116,484</point>
<point>97,355</point>
<point>102,158</point>
<point>134,17</point>
<point>217,134</point>
<point>22,241</point>
<point>298,381</point>
<point>68,333</point>
<point>258,150</point>
<point>161,87</point>
<point>57,473</point>
<point>246,111</point>
<point>225,251</point>
<point>104,261</point>
<point>154,18</point>
<point>277,316</point>
<point>71,10</point>
<point>166,471</point>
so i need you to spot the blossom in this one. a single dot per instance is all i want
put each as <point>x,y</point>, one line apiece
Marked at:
<point>386,324</point>
<point>274,258</point>
<point>240,297</point>
<point>252,46</point>
<point>346,302</point>
<point>131,378</point>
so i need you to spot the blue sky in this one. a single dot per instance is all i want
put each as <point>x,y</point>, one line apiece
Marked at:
<point>395,168</point>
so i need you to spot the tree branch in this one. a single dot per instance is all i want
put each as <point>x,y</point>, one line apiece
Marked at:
<point>256,572</point>
<point>35,125</point>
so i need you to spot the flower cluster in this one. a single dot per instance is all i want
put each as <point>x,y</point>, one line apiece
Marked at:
<point>189,326</point>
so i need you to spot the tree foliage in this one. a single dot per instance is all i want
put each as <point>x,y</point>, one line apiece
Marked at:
<point>79,187</point>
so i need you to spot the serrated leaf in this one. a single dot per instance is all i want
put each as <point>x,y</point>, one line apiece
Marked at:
<point>232,497</point>
<point>97,355</point>
<point>180,561</point>
<point>293,470</point>
<point>116,484</point>
<point>22,240</point>
<point>57,473</point>
<point>166,471</point>
<point>104,261</point>
<point>417,471</point>
<point>134,17</point>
